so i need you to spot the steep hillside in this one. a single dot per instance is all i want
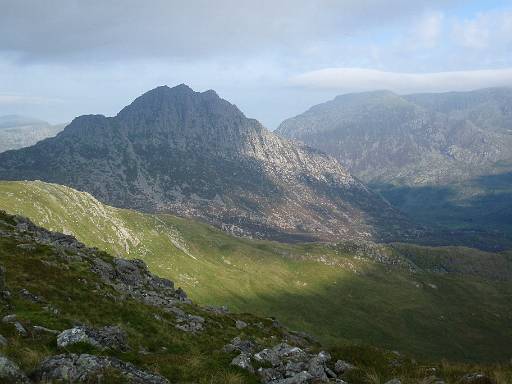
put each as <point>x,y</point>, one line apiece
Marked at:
<point>19,131</point>
<point>75,314</point>
<point>196,155</point>
<point>97,319</point>
<point>431,155</point>
<point>415,299</point>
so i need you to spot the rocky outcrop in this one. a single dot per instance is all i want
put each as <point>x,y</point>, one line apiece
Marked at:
<point>86,368</point>
<point>10,373</point>
<point>132,277</point>
<point>128,277</point>
<point>110,337</point>
<point>196,155</point>
<point>283,364</point>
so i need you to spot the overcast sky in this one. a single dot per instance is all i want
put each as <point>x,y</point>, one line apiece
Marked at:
<point>273,58</point>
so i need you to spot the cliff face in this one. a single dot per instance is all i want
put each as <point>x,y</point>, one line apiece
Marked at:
<point>196,155</point>
<point>418,139</point>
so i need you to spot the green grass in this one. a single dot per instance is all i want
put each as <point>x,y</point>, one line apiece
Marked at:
<point>328,290</point>
<point>81,297</point>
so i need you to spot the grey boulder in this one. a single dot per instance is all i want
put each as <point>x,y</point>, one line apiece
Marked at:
<point>86,368</point>
<point>10,373</point>
<point>342,366</point>
<point>243,361</point>
<point>111,337</point>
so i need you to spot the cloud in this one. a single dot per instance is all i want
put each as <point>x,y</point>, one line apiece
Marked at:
<point>96,30</point>
<point>429,29</point>
<point>96,55</point>
<point>360,79</point>
<point>18,99</point>
<point>485,30</point>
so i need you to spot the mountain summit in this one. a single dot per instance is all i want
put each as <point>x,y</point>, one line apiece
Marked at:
<point>415,139</point>
<point>443,158</point>
<point>197,155</point>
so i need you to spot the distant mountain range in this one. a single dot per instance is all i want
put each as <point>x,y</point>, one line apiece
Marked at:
<point>196,155</point>
<point>441,158</point>
<point>20,131</point>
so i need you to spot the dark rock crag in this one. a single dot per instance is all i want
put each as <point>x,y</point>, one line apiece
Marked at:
<point>196,155</point>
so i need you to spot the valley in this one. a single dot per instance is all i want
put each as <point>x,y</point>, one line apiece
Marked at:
<point>420,300</point>
<point>77,314</point>
<point>442,158</point>
<point>243,192</point>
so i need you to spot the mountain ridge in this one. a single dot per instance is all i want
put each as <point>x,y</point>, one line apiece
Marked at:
<point>197,155</point>
<point>401,131</point>
<point>17,131</point>
<point>444,159</point>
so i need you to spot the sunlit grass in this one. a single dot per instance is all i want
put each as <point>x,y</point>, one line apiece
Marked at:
<point>318,288</point>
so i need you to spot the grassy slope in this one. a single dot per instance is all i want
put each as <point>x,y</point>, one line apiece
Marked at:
<point>309,287</point>
<point>81,297</point>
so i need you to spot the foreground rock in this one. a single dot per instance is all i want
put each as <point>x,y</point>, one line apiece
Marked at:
<point>91,369</point>
<point>285,364</point>
<point>104,338</point>
<point>10,373</point>
<point>476,378</point>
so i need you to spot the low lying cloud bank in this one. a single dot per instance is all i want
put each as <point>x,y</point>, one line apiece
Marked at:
<point>360,79</point>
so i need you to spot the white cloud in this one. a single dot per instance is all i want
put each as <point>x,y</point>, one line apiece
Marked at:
<point>430,29</point>
<point>485,30</point>
<point>360,79</point>
<point>473,33</point>
<point>95,30</point>
<point>19,99</point>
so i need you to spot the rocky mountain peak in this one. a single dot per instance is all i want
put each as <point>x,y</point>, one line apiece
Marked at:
<point>197,155</point>
<point>179,116</point>
<point>180,102</point>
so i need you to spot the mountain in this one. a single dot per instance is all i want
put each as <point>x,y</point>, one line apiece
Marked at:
<point>347,292</point>
<point>76,314</point>
<point>196,155</point>
<point>97,319</point>
<point>8,121</point>
<point>437,157</point>
<point>21,131</point>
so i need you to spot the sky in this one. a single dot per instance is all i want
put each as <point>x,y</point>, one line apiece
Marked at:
<point>272,58</point>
